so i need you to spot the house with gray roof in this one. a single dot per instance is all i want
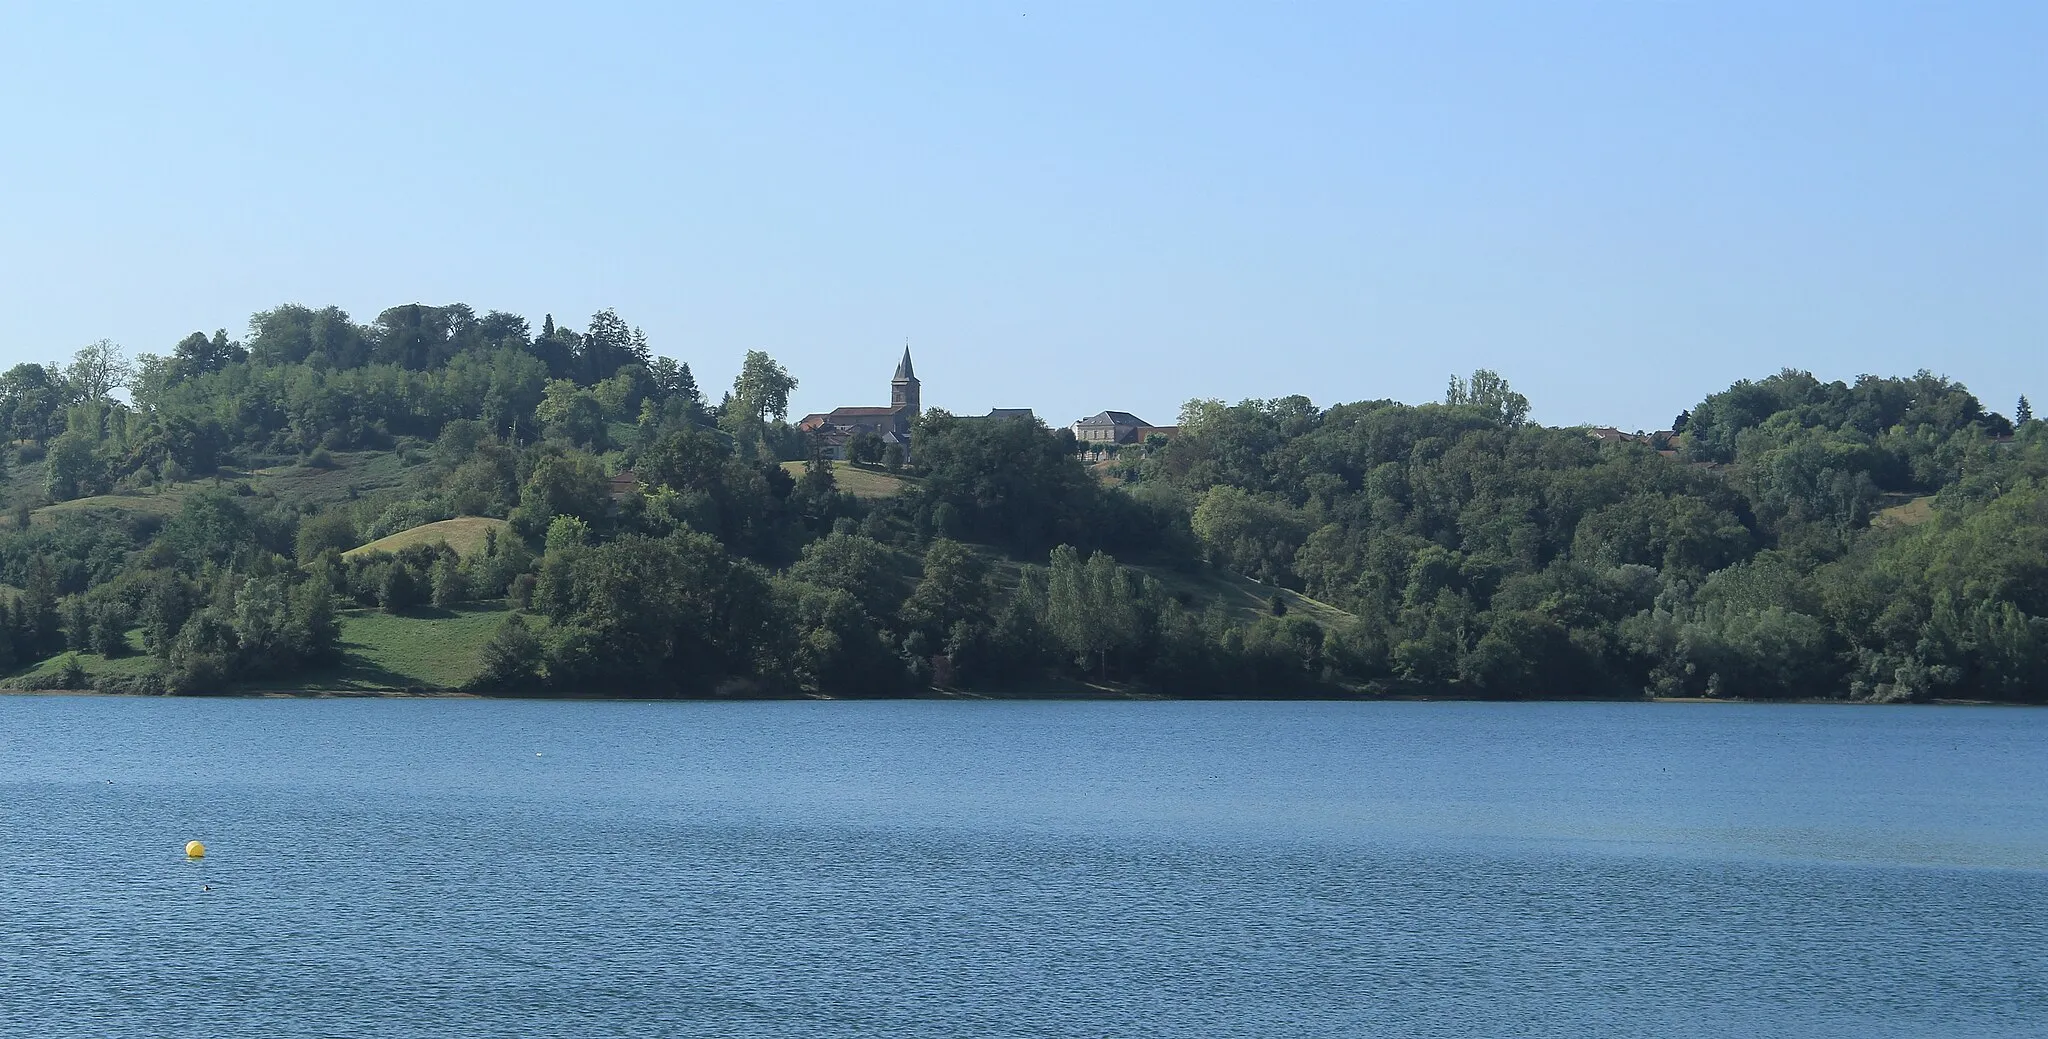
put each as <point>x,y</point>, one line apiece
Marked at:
<point>1109,427</point>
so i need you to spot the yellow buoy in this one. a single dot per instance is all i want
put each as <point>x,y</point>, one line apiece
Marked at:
<point>195,850</point>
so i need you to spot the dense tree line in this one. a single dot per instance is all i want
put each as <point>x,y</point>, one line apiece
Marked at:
<point>658,544</point>
<point>1487,555</point>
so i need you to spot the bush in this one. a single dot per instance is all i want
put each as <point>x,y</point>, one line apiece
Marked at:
<point>520,594</point>
<point>327,532</point>
<point>450,584</point>
<point>401,589</point>
<point>511,659</point>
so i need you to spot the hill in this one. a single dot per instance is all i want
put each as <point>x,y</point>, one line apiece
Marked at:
<point>464,534</point>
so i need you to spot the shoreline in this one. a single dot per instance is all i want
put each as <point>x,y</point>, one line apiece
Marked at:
<point>1091,695</point>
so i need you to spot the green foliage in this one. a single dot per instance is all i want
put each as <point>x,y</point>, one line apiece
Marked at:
<point>672,614</point>
<point>71,466</point>
<point>1490,394</point>
<point>833,645</point>
<point>323,533</point>
<point>1014,484</point>
<point>512,660</point>
<point>448,581</point>
<point>211,527</point>
<point>858,566</point>
<point>1451,547</point>
<point>1091,606</point>
<point>1255,537</point>
<point>763,387</point>
<point>955,589</point>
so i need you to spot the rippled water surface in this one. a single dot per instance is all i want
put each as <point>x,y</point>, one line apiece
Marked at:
<point>392,867</point>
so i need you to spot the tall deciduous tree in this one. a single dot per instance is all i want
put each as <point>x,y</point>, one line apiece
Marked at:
<point>763,387</point>
<point>98,369</point>
<point>1091,606</point>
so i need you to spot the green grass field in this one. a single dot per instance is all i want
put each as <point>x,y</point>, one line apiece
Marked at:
<point>428,649</point>
<point>464,534</point>
<point>861,483</point>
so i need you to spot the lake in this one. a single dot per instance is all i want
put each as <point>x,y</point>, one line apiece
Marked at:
<point>556,869</point>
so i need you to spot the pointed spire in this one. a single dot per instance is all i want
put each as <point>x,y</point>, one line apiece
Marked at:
<point>904,373</point>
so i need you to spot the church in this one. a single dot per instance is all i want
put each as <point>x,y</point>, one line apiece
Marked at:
<point>833,429</point>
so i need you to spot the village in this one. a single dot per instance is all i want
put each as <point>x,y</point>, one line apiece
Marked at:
<point>869,433</point>
<point>853,433</point>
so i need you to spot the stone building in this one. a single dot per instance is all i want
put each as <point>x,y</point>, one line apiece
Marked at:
<point>1110,427</point>
<point>832,430</point>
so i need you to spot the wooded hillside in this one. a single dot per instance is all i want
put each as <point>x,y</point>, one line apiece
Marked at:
<point>327,504</point>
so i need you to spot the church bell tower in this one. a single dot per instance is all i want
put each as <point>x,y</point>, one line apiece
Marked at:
<point>903,389</point>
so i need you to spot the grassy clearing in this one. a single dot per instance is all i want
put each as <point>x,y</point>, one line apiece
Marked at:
<point>1241,595</point>
<point>859,482</point>
<point>1246,599</point>
<point>354,474</point>
<point>133,663</point>
<point>429,649</point>
<point>164,503</point>
<point>1905,513</point>
<point>464,534</point>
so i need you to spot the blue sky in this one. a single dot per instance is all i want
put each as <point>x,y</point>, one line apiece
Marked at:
<point>1070,207</point>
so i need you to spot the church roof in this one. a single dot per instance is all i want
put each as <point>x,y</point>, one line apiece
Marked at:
<point>904,373</point>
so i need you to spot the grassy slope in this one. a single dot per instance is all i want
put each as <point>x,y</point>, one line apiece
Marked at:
<point>95,666</point>
<point>464,534</point>
<point>426,649</point>
<point>162,504</point>
<point>861,483</point>
<point>1246,599</point>
<point>1905,511</point>
<point>423,649</point>
<point>1243,596</point>
<point>354,474</point>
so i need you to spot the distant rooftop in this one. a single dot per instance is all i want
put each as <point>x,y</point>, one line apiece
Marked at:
<point>1113,418</point>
